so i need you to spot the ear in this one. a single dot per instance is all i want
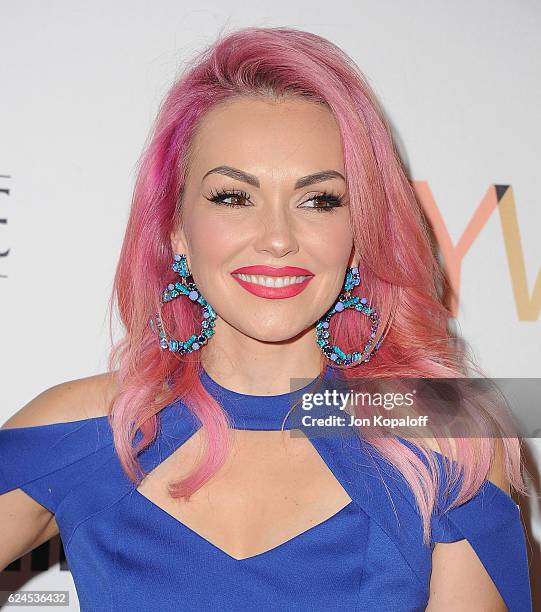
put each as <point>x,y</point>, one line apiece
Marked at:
<point>354,259</point>
<point>178,242</point>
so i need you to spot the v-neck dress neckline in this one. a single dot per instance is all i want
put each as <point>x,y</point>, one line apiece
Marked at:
<point>247,412</point>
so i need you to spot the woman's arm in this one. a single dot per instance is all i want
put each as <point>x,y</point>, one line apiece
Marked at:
<point>459,581</point>
<point>24,522</point>
<point>24,525</point>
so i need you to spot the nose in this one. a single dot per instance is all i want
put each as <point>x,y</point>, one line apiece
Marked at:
<point>276,233</point>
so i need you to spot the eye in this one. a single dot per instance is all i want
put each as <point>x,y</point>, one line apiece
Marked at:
<point>331,200</point>
<point>219,197</point>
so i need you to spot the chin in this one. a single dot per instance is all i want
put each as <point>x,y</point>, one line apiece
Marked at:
<point>276,333</point>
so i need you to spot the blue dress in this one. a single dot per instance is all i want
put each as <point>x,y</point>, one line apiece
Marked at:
<point>126,553</point>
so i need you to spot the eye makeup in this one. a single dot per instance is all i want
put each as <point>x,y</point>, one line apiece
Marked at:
<point>332,200</point>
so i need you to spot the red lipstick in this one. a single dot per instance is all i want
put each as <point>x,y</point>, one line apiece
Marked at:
<point>273,292</point>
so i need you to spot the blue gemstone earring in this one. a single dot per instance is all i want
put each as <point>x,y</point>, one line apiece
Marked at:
<point>334,353</point>
<point>189,289</point>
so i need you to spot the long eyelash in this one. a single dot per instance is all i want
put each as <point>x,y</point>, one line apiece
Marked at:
<point>217,196</point>
<point>334,200</point>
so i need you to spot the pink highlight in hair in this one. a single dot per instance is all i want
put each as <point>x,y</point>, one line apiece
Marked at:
<point>401,276</point>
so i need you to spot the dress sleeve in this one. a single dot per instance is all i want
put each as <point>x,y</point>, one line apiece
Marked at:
<point>47,461</point>
<point>491,522</point>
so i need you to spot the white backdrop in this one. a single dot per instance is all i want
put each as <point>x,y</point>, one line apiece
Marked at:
<point>81,82</point>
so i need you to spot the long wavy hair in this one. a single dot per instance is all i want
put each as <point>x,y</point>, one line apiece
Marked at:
<point>400,271</point>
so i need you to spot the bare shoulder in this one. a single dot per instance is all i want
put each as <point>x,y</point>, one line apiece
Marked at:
<point>73,400</point>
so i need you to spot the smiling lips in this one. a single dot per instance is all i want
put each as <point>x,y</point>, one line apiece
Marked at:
<point>273,283</point>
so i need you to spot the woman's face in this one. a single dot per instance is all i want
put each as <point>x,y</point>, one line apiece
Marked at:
<point>264,155</point>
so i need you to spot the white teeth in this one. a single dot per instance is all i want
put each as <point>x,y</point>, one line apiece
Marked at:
<point>271,281</point>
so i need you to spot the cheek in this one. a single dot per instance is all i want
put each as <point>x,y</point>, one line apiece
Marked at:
<point>210,242</point>
<point>334,241</point>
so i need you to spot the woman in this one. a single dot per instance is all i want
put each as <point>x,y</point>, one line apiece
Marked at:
<point>272,189</point>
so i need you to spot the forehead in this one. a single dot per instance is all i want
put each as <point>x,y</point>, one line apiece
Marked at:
<point>285,138</point>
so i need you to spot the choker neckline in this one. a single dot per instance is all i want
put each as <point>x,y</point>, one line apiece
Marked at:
<point>270,412</point>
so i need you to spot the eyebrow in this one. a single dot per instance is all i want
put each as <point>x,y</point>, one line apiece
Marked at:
<point>304,181</point>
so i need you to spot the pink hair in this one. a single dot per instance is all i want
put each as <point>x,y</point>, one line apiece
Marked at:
<point>400,273</point>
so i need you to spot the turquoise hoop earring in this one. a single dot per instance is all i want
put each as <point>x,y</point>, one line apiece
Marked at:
<point>333,352</point>
<point>190,290</point>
